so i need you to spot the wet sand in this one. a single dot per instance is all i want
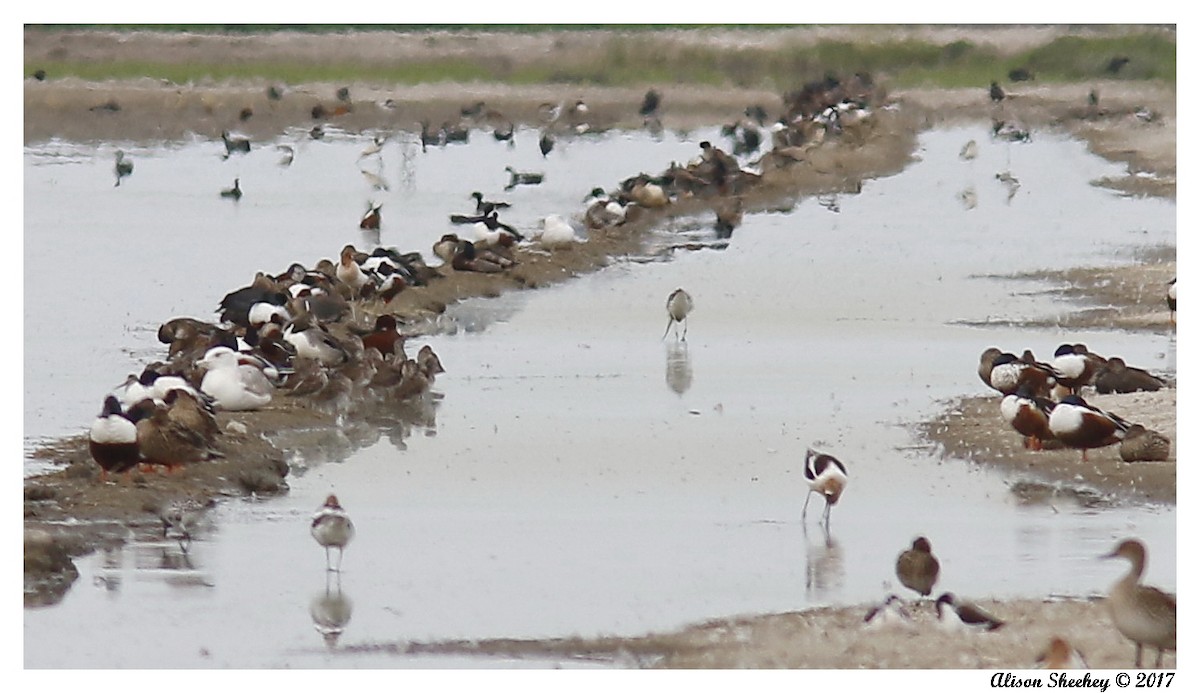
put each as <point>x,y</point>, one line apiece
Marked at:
<point>154,111</point>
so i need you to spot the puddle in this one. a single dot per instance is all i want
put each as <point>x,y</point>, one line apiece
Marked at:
<point>586,477</point>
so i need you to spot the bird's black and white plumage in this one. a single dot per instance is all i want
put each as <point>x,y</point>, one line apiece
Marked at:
<point>112,440</point>
<point>332,528</point>
<point>826,476</point>
<point>954,614</point>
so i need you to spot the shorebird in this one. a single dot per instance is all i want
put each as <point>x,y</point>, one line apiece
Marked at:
<point>679,304</point>
<point>917,567</point>
<point>650,103</point>
<point>374,148</point>
<point>112,440</point>
<point>123,167</point>
<point>890,612</point>
<point>969,151</point>
<point>954,614</point>
<point>331,527</point>
<point>234,145</point>
<point>1060,655</point>
<point>1080,425</point>
<point>1171,299</point>
<point>826,476</point>
<point>1145,615</point>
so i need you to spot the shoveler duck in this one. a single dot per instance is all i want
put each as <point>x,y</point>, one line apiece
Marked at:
<point>123,166</point>
<point>1008,372</point>
<point>1073,369</point>
<point>1143,614</point>
<point>234,193</point>
<point>233,383</point>
<point>1060,655</point>
<point>986,362</point>
<point>954,614</point>
<point>1029,415</point>
<point>332,528</point>
<point>484,207</point>
<point>516,178</point>
<point>234,145</point>
<point>468,258</point>
<point>385,337</point>
<point>917,568</point>
<point>1172,299</point>
<point>165,442</point>
<point>370,220</point>
<point>1115,376</point>
<point>826,476</point>
<point>1080,425</point>
<point>235,306</point>
<point>679,305</point>
<point>112,440</point>
<point>1144,445</point>
<point>890,613</point>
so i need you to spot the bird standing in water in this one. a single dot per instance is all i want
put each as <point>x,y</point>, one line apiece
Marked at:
<point>331,527</point>
<point>826,475</point>
<point>679,304</point>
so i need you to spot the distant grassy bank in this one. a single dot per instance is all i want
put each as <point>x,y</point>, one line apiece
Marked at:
<point>630,56</point>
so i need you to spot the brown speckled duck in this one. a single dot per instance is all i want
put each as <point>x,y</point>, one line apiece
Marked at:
<point>1144,445</point>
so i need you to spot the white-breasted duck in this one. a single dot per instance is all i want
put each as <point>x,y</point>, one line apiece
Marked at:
<point>1146,615</point>
<point>375,147</point>
<point>112,440</point>
<point>1073,369</point>
<point>1080,425</point>
<point>679,306</point>
<point>332,528</point>
<point>315,342</point>
<point>349,271</point>
<point>123,167</point>
<point>955,614</point>
<point>1008,372</point>
<point>234,383</point>
<point>484,207</point>
<point>1029,415</point>
<point>917,567</point>
<point>826,477</point>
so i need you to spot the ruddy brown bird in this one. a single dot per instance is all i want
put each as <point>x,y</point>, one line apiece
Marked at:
<point>917,568</point>
<point>370,220</point>
<point>1029,415</point>
<point>1143,614</point>
<point>1080,425</point>
<point>385,338</point>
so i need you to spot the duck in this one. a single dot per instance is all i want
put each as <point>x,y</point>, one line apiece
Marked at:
<point>729,217</point>
<point>954,614</point>
<point>490,229</point>
<point>287,154</point>
<point>1008,372</point>
<point>679,306</point>
<point>1078,424</point>
<point>546,143</point>
<point>447,247</point>
<point>429,136</point>
<point>467,258</point>
<point>165,442</point>
<point>826,476</point>
<point>1143,614</point>
<point>917,567</point>
<point>1144,445</point>
<point>603,211</point>
<point>349,271</point>
<point>429,362</point>
<point>374,148</point>
<point>413,380</point>
<point>649,195</point>
<point>516,178</point>
<point>504,132</point>
<point>370,220</point>
<point>1059,654</point>
<point>485,207</point>
<point>234,384</point>
<point>987,361</point>
<point>555,231</point>
<point>1029,415</point>
<point>650,103</point>
<point>891,612</point>
<point>996,93</point>
<point>123,166</point>
<point>1172,300</point>
<point>1115,376</point>
<point>385,337</point>
<point>314,342</point>
<point>1073,369</point>
<point>455,132</point>
<point>235,306</point>
<point>192,411</point>
<point>332,528</point>
<point>234,193</point>
<point>112,440</point>
<point>234,145</point>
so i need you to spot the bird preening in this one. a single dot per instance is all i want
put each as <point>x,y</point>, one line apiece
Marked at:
<point>679,305</point>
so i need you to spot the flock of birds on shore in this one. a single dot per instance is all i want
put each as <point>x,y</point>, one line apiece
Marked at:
<point>300,333</point>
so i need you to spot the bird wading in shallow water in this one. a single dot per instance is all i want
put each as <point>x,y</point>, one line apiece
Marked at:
<point>826,476</point>
<point>332,528</point>
<point>679,305</point>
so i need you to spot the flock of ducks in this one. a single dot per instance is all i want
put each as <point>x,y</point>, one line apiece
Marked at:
<point>1042,401</point>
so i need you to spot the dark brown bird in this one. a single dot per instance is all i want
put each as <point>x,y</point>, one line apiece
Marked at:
<point>385,338</point>
<point>996,93</point>
<point>917,567</point>
<point>1115,376</point>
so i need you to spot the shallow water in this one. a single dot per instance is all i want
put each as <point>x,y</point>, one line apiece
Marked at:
<point>582,476</point>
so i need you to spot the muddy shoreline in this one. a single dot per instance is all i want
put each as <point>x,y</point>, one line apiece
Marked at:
<point>971,429</point>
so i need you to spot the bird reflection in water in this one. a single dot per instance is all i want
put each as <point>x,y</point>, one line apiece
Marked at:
<point>824,568</point>
<point>679,367</point>
<point>331,610</point>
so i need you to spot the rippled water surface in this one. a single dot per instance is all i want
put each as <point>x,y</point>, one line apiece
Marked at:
<point>580,476</point>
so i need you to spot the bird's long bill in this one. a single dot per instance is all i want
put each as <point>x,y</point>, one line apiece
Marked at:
<point>669,321</point>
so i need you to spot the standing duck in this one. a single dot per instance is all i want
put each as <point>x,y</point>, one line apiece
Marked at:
<point>917,567</point>
<point>112,440</point>
<point>1072,368</point>
<point>165,442</point>
<point>385,337</point>
<point>1080,425</point>
<point>1145,615</point>
<point>1029,415</point>
<point>485,207</point>
<point>826,476</point>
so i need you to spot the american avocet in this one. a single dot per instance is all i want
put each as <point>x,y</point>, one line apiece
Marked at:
<point>1144,445</point>
<point>1172,300</point>
<point>890,613</point>
<point>917,567</point>
<point>826,476</point>
<point>954,614</point>
<point>1029,415</point>
<point>1115,376</point>
<point>332,528</point>
<point>1080,425</point>
<point>1145,615</point>
<point>233,384</point>
<point>679,305</point>
<point>123,166</point>
<point>112,440</point>
<point>1060,655</point>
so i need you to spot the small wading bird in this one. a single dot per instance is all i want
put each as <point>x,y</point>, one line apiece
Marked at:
<point>826,476</point>
<point>123,167</point>
<point>332,528</point>
<point>917,567</point>
<point>679,304</point>
<point>1145,615</point>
